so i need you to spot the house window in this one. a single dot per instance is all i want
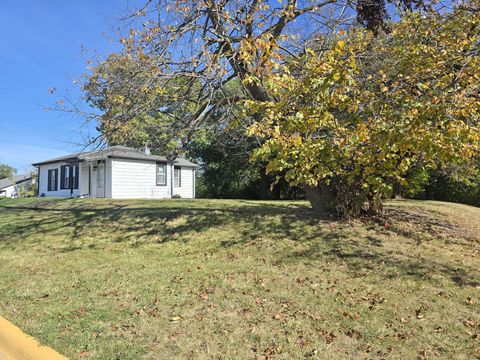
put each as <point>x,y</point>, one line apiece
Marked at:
<point>161,174</point>
<point>64,177</point>
<point>177,176</point>
<point>67,174</point>
<point>52,180</point>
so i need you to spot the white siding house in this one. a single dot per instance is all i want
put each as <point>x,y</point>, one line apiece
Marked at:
<point>117,172</point>
<point>10,187</point>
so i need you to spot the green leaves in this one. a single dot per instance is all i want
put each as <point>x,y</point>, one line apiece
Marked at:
<point>378,107</point>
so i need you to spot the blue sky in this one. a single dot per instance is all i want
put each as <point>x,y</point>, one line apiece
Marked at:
<point>41,47</point>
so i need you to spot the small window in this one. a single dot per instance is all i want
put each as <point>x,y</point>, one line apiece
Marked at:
<point>161,174</point>
<point>52,180</point>
<point>177,176</point>
<point>64,177</point>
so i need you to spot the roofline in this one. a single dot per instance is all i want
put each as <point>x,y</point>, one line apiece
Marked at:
<point>191,166</point>
<point>152,160</point>
<point>16,182</point>
<point>139,159</point>
<point>56,161</point>
<point>92,157</point>
<point>23,180</point>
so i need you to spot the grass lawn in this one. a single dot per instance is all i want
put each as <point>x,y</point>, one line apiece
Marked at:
<point>211,279</point>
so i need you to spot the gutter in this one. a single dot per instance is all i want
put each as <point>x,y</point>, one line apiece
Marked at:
<point>66,160</point>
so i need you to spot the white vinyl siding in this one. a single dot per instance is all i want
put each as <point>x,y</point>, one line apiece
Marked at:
<point>8,191</point>
<point>108,178</point>
<point>43,182</point>
<point>138,179</point>
<point>185,190</point>
<point>177,176</point>
<point>121,178</point>
<point>83,183</point>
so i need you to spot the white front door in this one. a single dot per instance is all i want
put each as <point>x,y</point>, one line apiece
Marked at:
<point>101,179</point>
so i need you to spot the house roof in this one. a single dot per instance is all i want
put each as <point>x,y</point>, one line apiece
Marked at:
<point>15,180</point>
<point>122,152</point>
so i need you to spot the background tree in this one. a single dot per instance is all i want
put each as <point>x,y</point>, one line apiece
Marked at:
<point>227,171</point>
<point>6,171</point>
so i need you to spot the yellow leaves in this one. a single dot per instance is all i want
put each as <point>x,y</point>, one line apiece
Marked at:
<point>299,115</point>
<point>423,86</point>
<point>371,121</point>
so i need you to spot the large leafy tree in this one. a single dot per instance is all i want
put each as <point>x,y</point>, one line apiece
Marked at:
<point>348,122</point>
<point>181,56</point>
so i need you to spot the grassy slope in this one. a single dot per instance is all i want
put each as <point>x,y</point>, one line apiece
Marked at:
<point>211,279</point>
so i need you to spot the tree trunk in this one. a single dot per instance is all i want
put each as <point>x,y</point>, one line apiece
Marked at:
<point>264,184</point>
<point>321,198</point>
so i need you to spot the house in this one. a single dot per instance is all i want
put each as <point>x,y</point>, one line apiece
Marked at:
<point>9,187</point>
<point>116,172</point>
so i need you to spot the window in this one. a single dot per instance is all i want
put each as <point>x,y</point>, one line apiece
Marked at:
<point>177,176</point>
<point>67,174</point>
<point>64,177</point>
<point>161,174</point>
<point>52,180</point>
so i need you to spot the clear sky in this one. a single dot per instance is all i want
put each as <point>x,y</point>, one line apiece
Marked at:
<point>41,47</point>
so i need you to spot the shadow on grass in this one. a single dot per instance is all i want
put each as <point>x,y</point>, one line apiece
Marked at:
<point>121,223</point>
<point>358,245</point>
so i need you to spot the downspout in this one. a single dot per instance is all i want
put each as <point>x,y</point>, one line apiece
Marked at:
<point>104,178</point>
<point>70,179</point>
<point>171,179</point>
<point>38,181</point>
<point>89,179</point>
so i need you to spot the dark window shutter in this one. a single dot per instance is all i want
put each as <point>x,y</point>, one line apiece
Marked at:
<point>56,179</point>
<point>76,177</point>
<point>62,177</point>
<point>49,181</point>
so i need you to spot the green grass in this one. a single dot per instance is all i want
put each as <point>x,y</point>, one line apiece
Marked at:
<point>208,279</point>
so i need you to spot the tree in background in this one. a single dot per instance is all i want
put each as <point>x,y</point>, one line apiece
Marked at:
<point>350,121</point>
<point>181,57</point>
<point>227,171</point>
<point>6,171</point>
<point>446,188</point>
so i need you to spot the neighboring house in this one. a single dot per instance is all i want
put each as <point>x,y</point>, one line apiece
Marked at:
<point>9,187</point>
<point>116,172</point>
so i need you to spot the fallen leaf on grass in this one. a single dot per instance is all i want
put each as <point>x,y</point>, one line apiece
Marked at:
<point>277,316</point>
<point>418,314</point>
<point>354,334</point>
<point>328,336</point>
<point>405,335</point>
<point>439,329</point>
